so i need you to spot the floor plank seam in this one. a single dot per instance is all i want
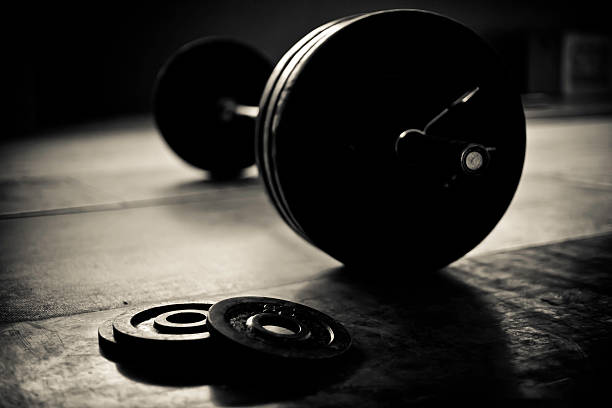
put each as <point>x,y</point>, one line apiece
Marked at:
<point>122,205</point>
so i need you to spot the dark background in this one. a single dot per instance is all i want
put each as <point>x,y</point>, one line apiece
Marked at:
<point>71,62</point>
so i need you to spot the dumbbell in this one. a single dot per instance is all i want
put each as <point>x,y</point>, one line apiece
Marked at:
<point>387,138</point>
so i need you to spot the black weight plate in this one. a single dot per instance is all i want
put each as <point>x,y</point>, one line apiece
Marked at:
<point>106,341</point>
<point>279,328</point>
<point>268,118</point>
<point>341,110</point>
<point>166,328</point>
<point>188,106</point>
<point>269,110</point>
<point>263,156</point>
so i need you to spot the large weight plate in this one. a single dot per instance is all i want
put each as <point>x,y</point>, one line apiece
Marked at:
<point>332,130</point>
<point>276,327</point>
<point>277,79</point>
<point>188,103</point>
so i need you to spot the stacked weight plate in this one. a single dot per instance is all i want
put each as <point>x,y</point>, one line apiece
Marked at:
<point>333,110</point>
<point>248,327</point>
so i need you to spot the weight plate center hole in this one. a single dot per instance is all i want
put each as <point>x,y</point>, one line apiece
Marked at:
<point>186,317</point>
<point>278,329</point>
<point>277,326</point>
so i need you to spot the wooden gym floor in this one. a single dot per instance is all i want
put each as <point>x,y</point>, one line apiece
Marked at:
<point>98,218</point>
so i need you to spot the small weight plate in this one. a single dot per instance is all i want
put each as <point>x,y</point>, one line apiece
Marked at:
<point>190,99</point>
<point>106,340</point>
<point>172,327</point>
<point>277,327</point>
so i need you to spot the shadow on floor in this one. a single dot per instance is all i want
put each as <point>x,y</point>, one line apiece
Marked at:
<point>425,338</point>
<point>237,378</point>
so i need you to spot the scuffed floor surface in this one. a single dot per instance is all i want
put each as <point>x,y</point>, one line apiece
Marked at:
<point>98,218</point>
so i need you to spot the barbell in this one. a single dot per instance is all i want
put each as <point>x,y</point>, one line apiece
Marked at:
<point>387,138</point>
